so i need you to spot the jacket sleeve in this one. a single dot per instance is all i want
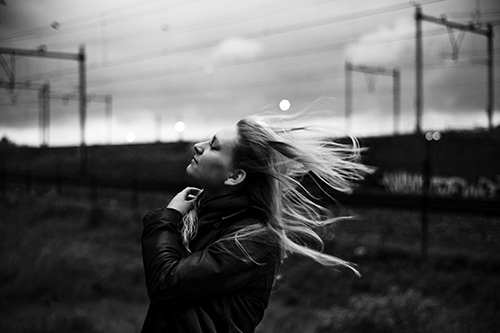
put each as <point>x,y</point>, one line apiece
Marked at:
<point>174,277</point>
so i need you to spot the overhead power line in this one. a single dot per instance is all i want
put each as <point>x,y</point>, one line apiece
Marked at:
<point>213,43</point>
<point>488,33</point>
<point>93,20</point>
<point>96,21</point>
<point>229,19</point>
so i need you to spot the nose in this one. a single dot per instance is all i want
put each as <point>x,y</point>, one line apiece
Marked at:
<point>198,148</point>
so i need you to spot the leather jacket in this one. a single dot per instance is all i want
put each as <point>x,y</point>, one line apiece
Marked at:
<point>216,287</point>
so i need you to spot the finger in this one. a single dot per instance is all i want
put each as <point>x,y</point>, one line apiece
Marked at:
<point>192,193</point>
<point>193,189</point>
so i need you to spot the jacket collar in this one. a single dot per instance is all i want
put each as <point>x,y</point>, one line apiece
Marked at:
<point>223,209</point>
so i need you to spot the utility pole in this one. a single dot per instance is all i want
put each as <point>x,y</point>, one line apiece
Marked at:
<point>83,94</point>
<point>491,80</point>
<point>419,100</point>
<point>45,96</point>
<point>43,53</point>
<point>44,113</point>
<point>43,102</point>
<point>348,96</point>
<point>11,74</point>
<point>395,73</point>
<point>158,128</point>
<point>396,102</point>
<point>106,99</point>
<point>471,27</point>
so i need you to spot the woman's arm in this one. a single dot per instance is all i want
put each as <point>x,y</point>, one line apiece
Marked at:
<point>174,277</point>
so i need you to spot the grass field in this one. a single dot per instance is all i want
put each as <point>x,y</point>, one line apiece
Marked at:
<point>68,266</point>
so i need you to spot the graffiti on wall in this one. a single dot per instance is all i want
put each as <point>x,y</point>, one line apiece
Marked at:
<point>410,183</point>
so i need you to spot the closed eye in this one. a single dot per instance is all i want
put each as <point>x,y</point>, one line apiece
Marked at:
<point>214,143</point>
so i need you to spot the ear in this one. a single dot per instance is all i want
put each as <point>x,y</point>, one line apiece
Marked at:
<point>237,177</point>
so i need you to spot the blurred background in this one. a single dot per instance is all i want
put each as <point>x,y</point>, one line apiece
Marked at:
<point>100,102</point>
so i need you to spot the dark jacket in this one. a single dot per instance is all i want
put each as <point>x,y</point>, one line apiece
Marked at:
<point>215,288</point>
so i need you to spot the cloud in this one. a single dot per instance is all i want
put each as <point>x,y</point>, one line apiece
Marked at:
<point>449,87</point>
<point>236,49</point>
<point>387,45</point>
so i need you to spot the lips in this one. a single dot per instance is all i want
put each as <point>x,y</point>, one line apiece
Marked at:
<point>195,160</point>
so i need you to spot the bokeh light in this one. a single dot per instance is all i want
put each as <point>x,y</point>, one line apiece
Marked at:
<point>179,127</point>
<point>130,137</point>
<point>285,105</point>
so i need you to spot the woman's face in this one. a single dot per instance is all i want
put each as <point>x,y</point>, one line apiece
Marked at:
<point>212,163</point>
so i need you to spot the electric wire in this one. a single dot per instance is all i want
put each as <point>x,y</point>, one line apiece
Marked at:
<point>94,18</point>
<point>236,17</point>
<point>226,87</point>
<point>279,57</point>
<point>324,49</point>
<point>259,84</point>
<point>213,43</point>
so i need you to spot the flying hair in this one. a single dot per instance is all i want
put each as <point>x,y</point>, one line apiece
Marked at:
<point>278,152</point>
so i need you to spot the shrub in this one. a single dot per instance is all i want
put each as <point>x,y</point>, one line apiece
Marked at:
<point>394,312</point>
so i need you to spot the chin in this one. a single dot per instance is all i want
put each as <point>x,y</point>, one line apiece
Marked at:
<point>189,171</point>
<point>191,178</point>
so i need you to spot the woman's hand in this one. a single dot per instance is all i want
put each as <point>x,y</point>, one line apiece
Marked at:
<point>184,201</point>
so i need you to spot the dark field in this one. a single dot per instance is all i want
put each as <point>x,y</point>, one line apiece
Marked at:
<point>69,266</point>
<point>70,257</point>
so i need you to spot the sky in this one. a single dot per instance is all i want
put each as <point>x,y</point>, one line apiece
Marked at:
<point>208,63</point>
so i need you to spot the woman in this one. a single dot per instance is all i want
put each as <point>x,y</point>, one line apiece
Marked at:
<point>212,254</point>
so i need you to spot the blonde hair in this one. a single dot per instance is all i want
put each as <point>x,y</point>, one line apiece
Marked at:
<point>277,152</point>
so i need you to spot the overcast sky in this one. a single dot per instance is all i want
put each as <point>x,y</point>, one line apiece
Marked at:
<point>208,63</point>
